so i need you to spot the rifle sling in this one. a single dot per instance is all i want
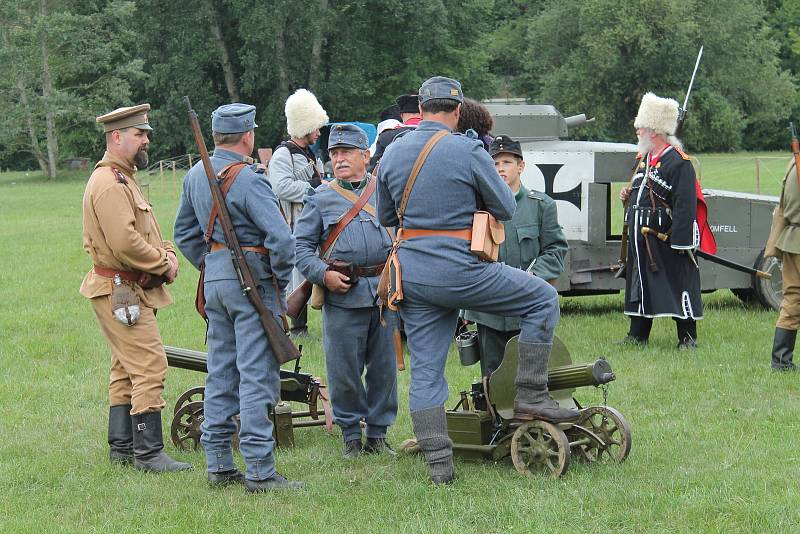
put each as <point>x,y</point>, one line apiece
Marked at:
<point>349,216</point>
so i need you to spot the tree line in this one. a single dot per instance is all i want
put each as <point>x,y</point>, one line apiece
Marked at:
<point>63,62</point>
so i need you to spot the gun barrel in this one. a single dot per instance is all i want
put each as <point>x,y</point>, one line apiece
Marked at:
<point>575,376</point>
<point>193,360</point>
<point>576,121</point>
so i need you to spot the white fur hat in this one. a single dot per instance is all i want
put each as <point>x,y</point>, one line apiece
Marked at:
<point>657,114</point>
<point>304,114</point>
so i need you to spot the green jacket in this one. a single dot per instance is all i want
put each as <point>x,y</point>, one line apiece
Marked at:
<point>533,233</point>
<point>789,240</point>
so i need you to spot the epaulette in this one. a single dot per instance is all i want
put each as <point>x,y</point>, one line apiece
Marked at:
<point>535,195</point>
<point>683,154</point>
<point>120,177</point>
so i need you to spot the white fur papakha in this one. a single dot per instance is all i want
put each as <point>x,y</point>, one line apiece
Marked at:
<point>658,114</point>
<point>304,114</point>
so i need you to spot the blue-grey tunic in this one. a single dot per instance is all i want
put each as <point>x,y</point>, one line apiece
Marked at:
<point>354,339</point>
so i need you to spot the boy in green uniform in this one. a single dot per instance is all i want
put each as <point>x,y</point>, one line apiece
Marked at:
<point>534,242</point>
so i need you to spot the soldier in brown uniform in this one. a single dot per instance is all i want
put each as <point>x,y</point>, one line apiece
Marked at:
<point>786,247</point>
<point>131,264</point>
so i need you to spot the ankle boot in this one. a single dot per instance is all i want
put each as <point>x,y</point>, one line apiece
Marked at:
<point>533,401</point>
<point>430,427</point>
<point>148,445</point>
<point>120,434</point>
<point>783,349</point>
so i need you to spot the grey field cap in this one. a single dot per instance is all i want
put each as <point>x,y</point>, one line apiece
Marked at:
<point>441,87</point>
<point>233,118</point>
<point>348,135</point>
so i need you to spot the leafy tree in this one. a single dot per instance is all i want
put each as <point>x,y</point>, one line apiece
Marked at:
<point>600,56</point>
<point>62,63</point>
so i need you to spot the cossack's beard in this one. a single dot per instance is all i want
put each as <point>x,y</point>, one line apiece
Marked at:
<point>644,146</point>
<point>141,159</point>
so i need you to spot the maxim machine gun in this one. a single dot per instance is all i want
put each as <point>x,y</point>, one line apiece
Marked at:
<point>482,425</point>
<point>295,387</point>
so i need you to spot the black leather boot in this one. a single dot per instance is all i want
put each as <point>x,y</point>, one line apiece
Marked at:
<point>120,434</point>
<point>783,349</point>
<point>533,401</point>
<point>148,445</point>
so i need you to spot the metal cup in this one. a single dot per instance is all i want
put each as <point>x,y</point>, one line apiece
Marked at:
<point>469,352</point>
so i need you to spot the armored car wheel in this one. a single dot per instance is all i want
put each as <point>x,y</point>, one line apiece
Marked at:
<point>614,431</point>
<point>539,445</point>
<point>190,395</point>
<point>185,427</point>
<point>769,292</point>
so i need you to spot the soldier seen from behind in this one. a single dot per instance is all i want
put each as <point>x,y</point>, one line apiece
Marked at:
<point>342,247</point>
<point>662,278</point>
<point>132,262</point>
<point>440,276</point>
<point>534,242</point>
<point>408,106</point>
<point>243,374</point>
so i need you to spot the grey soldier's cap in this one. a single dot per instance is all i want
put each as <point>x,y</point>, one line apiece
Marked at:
<point>503,143</point>
<point>130,117</point>
<point>348,135</point>
<point>233,118</point>
<point>441,87</point>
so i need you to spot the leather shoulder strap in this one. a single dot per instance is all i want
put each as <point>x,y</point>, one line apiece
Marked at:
<point>344,221</point>
<point>352,197</point>
<point>423,155</point>
<point>228,175</point>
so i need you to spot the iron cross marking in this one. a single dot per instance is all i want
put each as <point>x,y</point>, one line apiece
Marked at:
<point>550,171</point>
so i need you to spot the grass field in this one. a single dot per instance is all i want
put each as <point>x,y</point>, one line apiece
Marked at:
<point>714,431</point>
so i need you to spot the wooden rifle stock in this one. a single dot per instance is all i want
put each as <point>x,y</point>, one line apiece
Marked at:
<point>398,350</point>
<point>298,299</point>
<point>282,347</point>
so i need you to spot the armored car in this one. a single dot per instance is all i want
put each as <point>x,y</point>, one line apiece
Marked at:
<point>579,176</point>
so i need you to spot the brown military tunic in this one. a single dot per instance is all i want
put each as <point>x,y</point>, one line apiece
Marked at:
<point>121,232</point>
<point>789,245</point>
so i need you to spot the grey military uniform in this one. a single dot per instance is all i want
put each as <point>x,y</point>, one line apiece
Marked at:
<point>243,376</point>
<point>439,274</point>
<point>533,239</point>
<point>354,339</point>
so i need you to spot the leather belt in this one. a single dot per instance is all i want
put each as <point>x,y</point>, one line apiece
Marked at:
<point>145,280</point>
<point>215,246</point>
<point>370,270</point>
<point>410,233</point>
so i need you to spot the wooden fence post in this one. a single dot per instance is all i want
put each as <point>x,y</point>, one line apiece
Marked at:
<point>758,175</point>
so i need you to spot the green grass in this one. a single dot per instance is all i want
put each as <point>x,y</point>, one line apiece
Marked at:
<point>714,445</point>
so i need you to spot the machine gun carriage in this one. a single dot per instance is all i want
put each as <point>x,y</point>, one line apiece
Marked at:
<point>481,425</point>
<point>296,386</point>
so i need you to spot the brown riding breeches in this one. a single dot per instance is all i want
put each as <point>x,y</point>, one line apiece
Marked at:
<point>789,318</point>
<point>138,360</point>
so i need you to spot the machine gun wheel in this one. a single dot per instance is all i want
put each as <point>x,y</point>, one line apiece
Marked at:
<point>197,394</point>
<point>585,444</point>
<point>185,427</point>
<point>540,445</point>
<point>614,431</point>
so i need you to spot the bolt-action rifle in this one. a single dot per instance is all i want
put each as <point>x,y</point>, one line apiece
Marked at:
<point>795,150</point>
<point>282,347</point>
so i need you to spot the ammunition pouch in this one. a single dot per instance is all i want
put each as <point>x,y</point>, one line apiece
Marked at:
<point>487,236</point>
